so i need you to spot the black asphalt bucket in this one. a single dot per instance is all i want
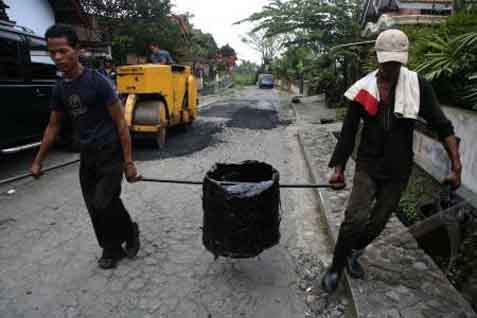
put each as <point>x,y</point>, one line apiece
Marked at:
<point>241,220</point>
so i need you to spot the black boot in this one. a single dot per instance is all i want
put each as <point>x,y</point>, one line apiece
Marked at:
<point>330,281</point>
<point>355,270</point>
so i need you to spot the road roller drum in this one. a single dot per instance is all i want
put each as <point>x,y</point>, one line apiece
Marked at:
<point>157,97</point>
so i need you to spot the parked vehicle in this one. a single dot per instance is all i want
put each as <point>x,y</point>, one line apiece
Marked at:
<point>27,78</point>
<point>265,81</point>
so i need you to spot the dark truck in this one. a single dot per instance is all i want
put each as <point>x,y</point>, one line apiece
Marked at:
<point>27,78</point>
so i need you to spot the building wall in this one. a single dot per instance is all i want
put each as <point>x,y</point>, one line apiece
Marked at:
<point>409,11</point>
<point>33,14</point>
<point>432,157</point>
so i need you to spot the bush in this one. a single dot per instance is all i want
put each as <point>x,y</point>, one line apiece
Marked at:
<point>447,55</point>
<point>244,79</point>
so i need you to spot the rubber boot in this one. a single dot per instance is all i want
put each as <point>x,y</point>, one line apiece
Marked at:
<point>355,270</point>
<point>331,279</point>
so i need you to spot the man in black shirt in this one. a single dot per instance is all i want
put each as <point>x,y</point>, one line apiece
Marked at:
<point>388,102</point>
<point>89,99</point>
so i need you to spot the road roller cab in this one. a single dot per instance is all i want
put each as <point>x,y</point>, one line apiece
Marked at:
<point>157,97</point>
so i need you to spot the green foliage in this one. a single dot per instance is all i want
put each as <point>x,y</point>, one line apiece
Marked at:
<point>460,23</point>
<point>292,63</point>
<point>245,74</point>
<point>203,44</point>
<point>267,46</point>
<point>227,51</point>
<point>447,55</point>
<point>309,30</point>
<point>454,59</point>
<point>132,25</point>
<point>341,113</point>
<point>243,79</point>
<point>442,59</point>
<point>421,189</point>
<point>314,23</point>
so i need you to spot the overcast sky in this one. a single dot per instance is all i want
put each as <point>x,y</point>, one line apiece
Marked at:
<point>217,16</point>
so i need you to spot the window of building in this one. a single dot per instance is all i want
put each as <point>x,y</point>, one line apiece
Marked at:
<point>436,12</point>
<point>10,69</point>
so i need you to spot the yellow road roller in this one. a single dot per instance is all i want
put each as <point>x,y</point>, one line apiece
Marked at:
<point>157,97</point>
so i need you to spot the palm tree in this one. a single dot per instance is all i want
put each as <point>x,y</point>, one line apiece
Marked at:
<point>455,59</point>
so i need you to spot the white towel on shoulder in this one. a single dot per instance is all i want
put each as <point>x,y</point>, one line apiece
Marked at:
<point>407,95</point>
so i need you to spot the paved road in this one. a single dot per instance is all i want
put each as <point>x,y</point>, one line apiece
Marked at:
<point>48,251</point>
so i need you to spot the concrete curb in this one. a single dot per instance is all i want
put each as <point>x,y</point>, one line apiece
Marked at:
<point>324,205</point>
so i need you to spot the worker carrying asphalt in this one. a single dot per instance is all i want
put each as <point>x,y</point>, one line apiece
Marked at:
<point>89,99</point>
<point>388,101</point>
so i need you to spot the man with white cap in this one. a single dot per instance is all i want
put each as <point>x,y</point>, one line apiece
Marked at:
<point>388,101</point>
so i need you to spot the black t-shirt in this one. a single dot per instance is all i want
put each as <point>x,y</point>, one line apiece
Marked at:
<point>86,100</point>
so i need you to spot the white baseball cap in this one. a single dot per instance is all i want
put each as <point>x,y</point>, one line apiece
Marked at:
<point>392,46</point>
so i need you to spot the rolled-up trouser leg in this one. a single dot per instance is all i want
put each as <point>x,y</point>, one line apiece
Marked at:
<point>388,195</point>
<point>356,217</point>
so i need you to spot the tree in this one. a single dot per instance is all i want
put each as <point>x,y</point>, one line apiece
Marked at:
<point>227,51</point>
<point>318,24</point>
<point>311,29</point>
<point>267,46</point>
<point>3,11</point>
<point>204,44</point>
<point>133,24</point>
<point>226,58</point>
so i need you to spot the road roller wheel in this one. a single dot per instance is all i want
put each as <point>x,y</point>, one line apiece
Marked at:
<point>152,113</point>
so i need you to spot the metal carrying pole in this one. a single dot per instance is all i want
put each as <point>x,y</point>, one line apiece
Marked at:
<point>228,183</point>
<point>172,181</point>
<point>26,175</point>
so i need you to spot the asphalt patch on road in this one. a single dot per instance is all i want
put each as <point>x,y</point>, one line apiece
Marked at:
<point>253,118</point>
<point>227,109</point>
<point>180,141</point>
<point>243,114</point>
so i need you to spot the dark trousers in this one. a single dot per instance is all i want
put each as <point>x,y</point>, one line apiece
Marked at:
<point>370,206</point>
<point>101,173</point>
